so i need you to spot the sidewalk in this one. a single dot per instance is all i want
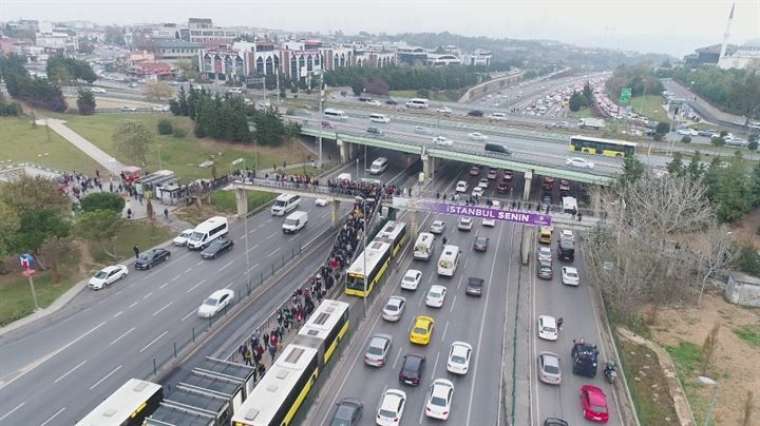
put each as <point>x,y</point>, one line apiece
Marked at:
<point>101,157</point>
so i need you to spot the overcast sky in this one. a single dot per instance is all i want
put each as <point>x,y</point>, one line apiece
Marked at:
<point>668,26</point>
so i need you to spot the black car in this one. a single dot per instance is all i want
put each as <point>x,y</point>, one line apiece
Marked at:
<point>474,286</point>
<point>555,421</point>
<point>497,148</point>
<point>480,244</point>
<point>347,412</point>
<point>217,247</point>
<point>152,258</point>
<point>391,102</point>
<point>412,369</point>
<point>585,358</point>
<point>475,113</point>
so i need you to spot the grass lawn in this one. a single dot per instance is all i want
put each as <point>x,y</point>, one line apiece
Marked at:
<point>650,106</point>
<point>140,233</point>
<point>224,201</point>
<point>182,155</point>
<point>16,297</point>
<point>647,384</point>
<point>20,142</point>
<point>749,334</point>
<point>688,359</point>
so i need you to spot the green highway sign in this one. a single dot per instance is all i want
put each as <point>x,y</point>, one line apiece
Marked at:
<point>625,96</point>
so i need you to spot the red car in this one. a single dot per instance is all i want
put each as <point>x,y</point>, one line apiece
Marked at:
<point>594,403</point>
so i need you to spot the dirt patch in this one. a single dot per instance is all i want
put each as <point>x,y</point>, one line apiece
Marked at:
<point>745,230</point>
<point>735,367</point>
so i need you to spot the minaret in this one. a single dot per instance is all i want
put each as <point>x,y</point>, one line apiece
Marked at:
<point>728,31</point>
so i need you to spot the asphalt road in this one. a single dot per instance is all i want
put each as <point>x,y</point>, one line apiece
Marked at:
<point>54,371</point>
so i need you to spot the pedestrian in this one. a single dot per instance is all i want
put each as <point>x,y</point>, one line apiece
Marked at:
<point>580,216</point>
<point>262,370</point>
<point>166,214</point>
<point>247,356</point>
<point>272,352</point>
<point>443,240</point>
<point>137,252</point>
<point>266,340</point>
<point>560,321</point>
<point>129,213</point>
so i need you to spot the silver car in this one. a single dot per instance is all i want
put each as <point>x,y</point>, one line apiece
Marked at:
<point>394,308</point>
<point>548,368</point>
<point>378,349</point>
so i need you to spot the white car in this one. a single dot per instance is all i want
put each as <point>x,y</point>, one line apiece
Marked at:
<point>181,239</point>
<point>391,408</point>
<point>442,140</point>
<point>461,186</point>
<point>394,308</point>
<point>98,90</point>
<point>435,296</point>
<point>160,108</point>
<point>491,174</point>
<point>128,109</point>
<point>320,202</point>
<point>477,191</point>
<point>422,130</point>
<point>547,328</point>
<point>498,116</point>
<point>477,136</point>
<point>437,227</point>
<point>375,102</point>
<point>495,204</point>
<point>438,405</point>
<point>483,183</point>
<point>567,234</point>
<point>459,358</point>
<point>108,276</point>
<point>488,222</point>
<point>570,276</point>
<point>215,303</point>
<point>411,279</point>
<point>464,224</point>
<point>444,110</point>
<point>580,163</point>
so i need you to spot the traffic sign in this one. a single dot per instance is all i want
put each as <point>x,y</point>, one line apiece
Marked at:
<point>625,96</point>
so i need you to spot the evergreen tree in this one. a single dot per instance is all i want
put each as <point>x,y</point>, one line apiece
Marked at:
<point>86,102</point>
<point>182,101</point>
<point>675,166</point>
<point>695,169</point>
<point>754,185</point>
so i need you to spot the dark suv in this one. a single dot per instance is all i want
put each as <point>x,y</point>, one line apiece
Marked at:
<point>585,357</point>
<point>152,258</point>
<point>412,369</point>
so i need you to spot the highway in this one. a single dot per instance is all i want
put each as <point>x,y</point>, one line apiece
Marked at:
<point>480,397</point>
<point>54,371</point>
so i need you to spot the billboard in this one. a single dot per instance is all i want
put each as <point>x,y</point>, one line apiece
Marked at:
<point>516,216</point>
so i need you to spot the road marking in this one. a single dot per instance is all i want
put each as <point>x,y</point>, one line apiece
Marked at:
<point>104,378</point>
<point>226,265</point>
<point>435,365</point>
<point>153,341</point>
<point>453,303</point>
<point>398,356</point>
<point>195,286</point>
<point>269,236</point>
<point>122,336</point>
<point>69,372</point>
<point>253,247</point>
<point>445,330</point>
<point>187,316</point>
<point>12,411</point>
<point>50,419</point>
<point>252,268</point>
<point>133,305</point>
<point>118,314</point>
<point>163,285</point>
<point>459,284</point>
<point>273,252</point>
<point>159,311</point>
<point>147,295</point>
<point>188,270</point>
<point>199,262</point>
<point>482,326</point>
<point>176,277</point>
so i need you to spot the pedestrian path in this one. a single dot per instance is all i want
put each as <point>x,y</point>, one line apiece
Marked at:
<point>101,157</point>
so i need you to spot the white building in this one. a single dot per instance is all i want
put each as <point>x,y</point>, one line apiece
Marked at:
<point>56,41</point>
<point>746,56</point>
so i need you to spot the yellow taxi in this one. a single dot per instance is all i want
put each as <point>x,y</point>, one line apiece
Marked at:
<point>545,235</point>
<point>422,330</point>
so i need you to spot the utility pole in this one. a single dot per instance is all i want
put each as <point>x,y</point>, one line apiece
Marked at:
<point>364,254</point>
<point>321,115</point>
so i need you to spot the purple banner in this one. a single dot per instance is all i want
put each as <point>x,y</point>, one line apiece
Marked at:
<point>527,218</point>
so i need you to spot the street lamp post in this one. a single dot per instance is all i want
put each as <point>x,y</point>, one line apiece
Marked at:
<point>321,115</point>
<point>716,389</point>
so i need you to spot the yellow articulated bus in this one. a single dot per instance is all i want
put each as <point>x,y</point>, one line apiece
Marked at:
<point>393,233</point>
<point>326,326</point>
<point>599,146</point>
<point>378,257</point>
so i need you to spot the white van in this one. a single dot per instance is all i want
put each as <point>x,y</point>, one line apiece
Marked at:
<point>295,222</point>
<point>335,114</point>
<point>418,103</point>
<point>344,177</point>
<point>379,118</point>
<point>423,248</point>
<point>207,232</point>
<point>285,203</point>
<point>449,260</point>
<point>378,166</point>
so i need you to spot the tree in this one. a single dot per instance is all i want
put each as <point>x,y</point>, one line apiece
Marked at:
<point>732,197</point>
<point>633,169</point>
<point>686,139</point>
<point>753,144</point>
<point>100,226</point>
<point>187,69</point>
<point>662,128</point>
<point>577,101</point>
<point>718,140</point>
<point>754,185</point>
<point>29,194</point>
<point>357,87</point>
<point>37,226</point>
<point>675,166</point>
<point>103,201</point>
<point>86,102</point>
<point>710,348</point>
<point>9,226</point>
<point>695,169</point>
<point>132,139</point>
<point>157,90</point>
<point>165,127</point>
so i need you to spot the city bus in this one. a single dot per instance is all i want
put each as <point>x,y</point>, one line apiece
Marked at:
<point>378,254</point>
<point>393,233</point>
<point>128,406</point>
<point>599,146</point>
<point>325,328</point>
<point>335,114</point>
<point>280,393</point>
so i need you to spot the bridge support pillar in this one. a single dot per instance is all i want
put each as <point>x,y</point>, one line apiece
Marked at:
<point>526,189</point>
<point>345,151</point>
<point>427,166</point>
<point>336,212</point>
<point>241,201</point>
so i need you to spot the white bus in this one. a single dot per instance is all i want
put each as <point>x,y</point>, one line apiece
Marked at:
<point>423,248</point>
<point>379,118</point>
<point>335,114</point>
<point>285,203</point>
<point>419,103</point>
<point>128,406</point>
<point>207,232</point>
<point>449,260</point>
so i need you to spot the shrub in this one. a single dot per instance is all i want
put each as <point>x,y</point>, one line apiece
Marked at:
<point>165,127</point>
<point>686,139</point>
<point>718,141</point>
<point>179,132</point>
<point>103,201</point>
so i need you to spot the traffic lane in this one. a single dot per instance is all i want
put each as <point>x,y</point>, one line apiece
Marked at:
<point>132,334</point>
<point>574,306</point>
<point>368,383</point>
<point>398,163</point>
